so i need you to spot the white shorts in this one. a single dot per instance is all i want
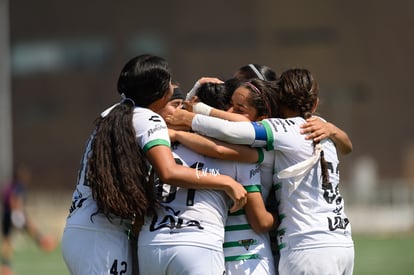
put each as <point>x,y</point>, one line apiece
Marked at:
<point>316,261</point>
<point>90,252</point>
<point>180,260</point>
<point>251,266</point>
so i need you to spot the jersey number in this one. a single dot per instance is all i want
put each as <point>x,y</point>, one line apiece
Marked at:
<point>169,196</point>
<point>114,268</point>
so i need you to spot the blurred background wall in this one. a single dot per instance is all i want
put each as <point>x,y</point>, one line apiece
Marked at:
<point>65,57</point>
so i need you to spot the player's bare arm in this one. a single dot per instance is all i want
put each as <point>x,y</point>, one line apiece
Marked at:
<point>215,148</point>
<point>317,129</point>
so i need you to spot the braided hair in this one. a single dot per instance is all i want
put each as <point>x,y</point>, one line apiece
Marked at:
<point>298,91</point>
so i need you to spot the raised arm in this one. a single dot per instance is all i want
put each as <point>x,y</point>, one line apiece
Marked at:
<point>204,109</point>
<point>318,129</point>
<point>215,148</point>
<point>198,83</point>
<point>228,131</point>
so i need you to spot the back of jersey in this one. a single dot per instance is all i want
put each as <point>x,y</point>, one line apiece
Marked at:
<point>189,216</point>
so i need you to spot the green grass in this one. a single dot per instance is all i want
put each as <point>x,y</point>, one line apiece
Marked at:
<point>374,254</point>
<point>388,254</point>
<point>28,259</point>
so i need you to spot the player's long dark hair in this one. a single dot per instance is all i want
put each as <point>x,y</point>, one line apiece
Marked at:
<point>262,96</point>
<point>299,92</point>
<point>214,95</point>
<point>118,173</point>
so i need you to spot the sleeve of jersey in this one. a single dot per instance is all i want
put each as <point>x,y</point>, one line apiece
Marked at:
<point>283,134</point>
<point>250,133</point>
<point>249,176</point>
<point>151,130</point>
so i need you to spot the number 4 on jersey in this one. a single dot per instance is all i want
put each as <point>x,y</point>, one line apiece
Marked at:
<point>114,268</point>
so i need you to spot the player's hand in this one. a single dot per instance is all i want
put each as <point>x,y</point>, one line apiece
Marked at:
<point>188,105</point>
<point>210,80</point>
<point>198,83</point>
<point>180,117</point>
<point>316,129</point>
<point>238,194</point>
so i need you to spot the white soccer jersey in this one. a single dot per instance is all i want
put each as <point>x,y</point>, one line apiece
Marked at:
<point>190,218</point>
<point>241,242</point>
<point>311,216</point>
<point>194,217</point>
<point>245,249</point>
<point>91,244</point>
<point>151,130</point>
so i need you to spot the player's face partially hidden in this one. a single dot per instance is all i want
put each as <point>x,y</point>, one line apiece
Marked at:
<point>159,104</point>
<point>170,107</point>
<point>240,104</point>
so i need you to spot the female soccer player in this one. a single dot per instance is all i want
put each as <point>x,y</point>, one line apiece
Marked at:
<point>314,221</point>
<point>115,192</point>
<point>187,234</point>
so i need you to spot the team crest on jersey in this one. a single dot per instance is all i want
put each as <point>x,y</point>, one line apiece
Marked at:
<point>247,243</point>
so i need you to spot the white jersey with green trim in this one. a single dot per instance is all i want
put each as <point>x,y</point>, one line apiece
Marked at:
<point>311,216</point>
<point>150,130</point>
<point>243,247</point>
<point>194,217</point>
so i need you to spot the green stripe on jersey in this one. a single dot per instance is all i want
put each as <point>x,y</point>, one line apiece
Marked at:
<point>155,142</point>
<point>269,133</point>
<point>253,188</point>
<point>260,154</point>
<point>243,243</point>
<point>277,186</point>
<point>237,227</point>
<point>238,213</point>
<point>242,257</point>
<point>282,245</point>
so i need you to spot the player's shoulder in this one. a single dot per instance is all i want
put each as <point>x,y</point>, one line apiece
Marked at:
<point>289,120</point>
<point>144,118</point>
<point>145,112</point>
<point>277,124</point>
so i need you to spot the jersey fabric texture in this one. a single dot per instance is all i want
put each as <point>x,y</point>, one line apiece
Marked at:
<point>150,130</point>
<point>244,249</point>
<point>190,219</point>
<point>312,216</point>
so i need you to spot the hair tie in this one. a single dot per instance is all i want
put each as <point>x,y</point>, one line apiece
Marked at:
<point>256,71</point>
<point>126,99</point>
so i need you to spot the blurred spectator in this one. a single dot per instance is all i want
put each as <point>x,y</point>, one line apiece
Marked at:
<point>14,216</point>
